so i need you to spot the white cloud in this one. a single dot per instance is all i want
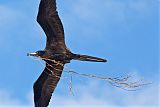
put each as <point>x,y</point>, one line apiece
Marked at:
<point>98,18</point>
<point>6,99</point>
<point>15,25</point>
<point>91,9</point>
<point>87,95</point>
<point>94,94</point>
<point>9,18</point>
<point>6,14</point>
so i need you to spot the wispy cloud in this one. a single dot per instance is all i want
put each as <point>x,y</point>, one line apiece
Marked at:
<point>8,16</point>
<point>15,23</point>
<point>94,94</point>
<point>7,99</point>
<point>101,17</point>
<point>112,9</point>
<point>90,21</point>
<point>10,19</point>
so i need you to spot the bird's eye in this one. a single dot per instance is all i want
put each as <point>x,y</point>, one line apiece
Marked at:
<point>37,52</point>
<point>40,53</point>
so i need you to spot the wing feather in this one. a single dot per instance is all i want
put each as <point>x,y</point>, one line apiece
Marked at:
<point>46,84</point>
<point>50,22</point>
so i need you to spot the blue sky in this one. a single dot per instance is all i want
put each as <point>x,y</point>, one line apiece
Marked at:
<point>125,32</point>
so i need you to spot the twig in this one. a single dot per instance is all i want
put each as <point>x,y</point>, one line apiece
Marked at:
<point>122,82</point>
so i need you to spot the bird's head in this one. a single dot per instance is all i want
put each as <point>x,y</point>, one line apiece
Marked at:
<point>37,54</point>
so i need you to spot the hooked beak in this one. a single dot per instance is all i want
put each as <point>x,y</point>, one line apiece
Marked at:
<point>31,54</point>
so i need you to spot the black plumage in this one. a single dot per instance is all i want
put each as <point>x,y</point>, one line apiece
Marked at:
<point>56,54</point>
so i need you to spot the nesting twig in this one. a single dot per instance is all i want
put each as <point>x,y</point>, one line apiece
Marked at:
<point>120,82</point>
<point>123,82</point>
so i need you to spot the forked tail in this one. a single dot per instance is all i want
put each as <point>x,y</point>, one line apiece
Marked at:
<point>87,58</point>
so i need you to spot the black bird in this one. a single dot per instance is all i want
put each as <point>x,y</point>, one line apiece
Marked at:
<point>56,54</point>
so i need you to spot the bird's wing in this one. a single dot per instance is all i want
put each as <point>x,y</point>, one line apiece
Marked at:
<point>46,84</point>
<point>51,24</point>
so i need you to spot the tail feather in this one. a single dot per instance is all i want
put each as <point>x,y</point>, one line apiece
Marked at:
<point>88,58</point>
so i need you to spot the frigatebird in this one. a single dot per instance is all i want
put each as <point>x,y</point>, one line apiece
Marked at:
<point>56,54</point>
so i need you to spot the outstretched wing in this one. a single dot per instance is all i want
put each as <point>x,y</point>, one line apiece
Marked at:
<point>46,84</point>
<point>51,24</point>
